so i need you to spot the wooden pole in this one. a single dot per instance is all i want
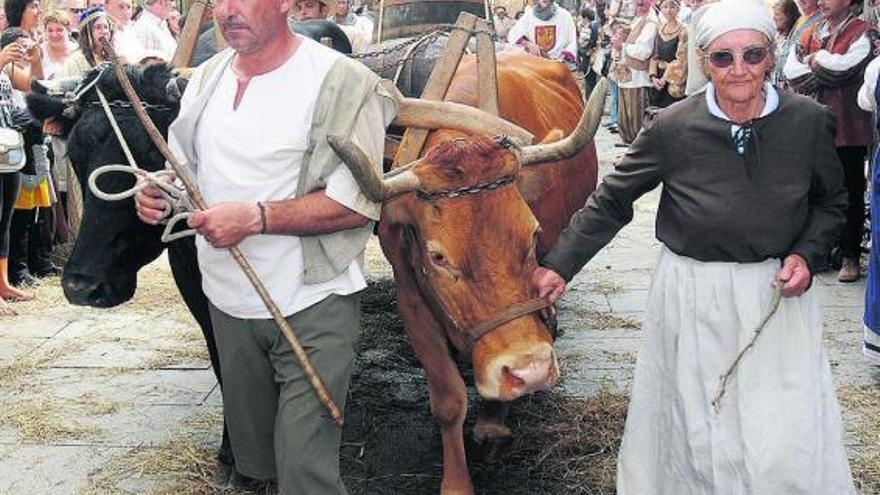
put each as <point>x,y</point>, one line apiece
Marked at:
<point>198,201</point>
<point>189,35</point>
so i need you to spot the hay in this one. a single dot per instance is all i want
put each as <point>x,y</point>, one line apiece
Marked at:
<point>863,403</point>
<point>183,465</point>
<point>156,290</point>
<point>605,287</point>
<point>17,374</point>
<point>562,445</point>
<point>164,358</point>
<point>603,320</point>
<point>43,419</point>
<point>91,404</point>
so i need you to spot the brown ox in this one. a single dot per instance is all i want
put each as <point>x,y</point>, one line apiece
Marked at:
<point>461,261</point>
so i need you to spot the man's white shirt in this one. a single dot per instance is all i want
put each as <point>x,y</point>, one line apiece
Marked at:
<point>154,35</point>
<point>253,153</point>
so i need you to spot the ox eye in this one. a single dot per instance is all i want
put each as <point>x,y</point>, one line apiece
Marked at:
<point>438,258</point>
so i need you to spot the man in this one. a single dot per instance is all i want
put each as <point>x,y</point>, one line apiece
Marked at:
<point>503,22</point>
<point>547,30</point>
<point>152,30</point>
<point>632,50</point>
<point>72,9</point>
<point>253,127</point>
<point>125,42</point>
<point>829,64</point>
<point>359,29</point>
<point>306,10</point>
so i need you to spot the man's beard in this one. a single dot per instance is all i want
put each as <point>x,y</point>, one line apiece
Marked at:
<point>544,13</point>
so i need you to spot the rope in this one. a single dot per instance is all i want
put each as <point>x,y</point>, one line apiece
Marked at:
<point>177,205</point>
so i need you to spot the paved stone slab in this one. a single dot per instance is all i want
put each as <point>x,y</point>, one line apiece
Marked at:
<point>49,470</point>
<point>12,349</point>
<point>34,326</point>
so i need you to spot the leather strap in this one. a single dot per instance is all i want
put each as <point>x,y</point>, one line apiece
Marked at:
<point>509,314</point>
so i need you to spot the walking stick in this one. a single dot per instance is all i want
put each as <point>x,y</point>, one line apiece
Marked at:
<point>198,202</point>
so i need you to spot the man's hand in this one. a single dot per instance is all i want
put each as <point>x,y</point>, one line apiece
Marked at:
<point>548,284</point>
<point>227,224</point>
<point>533,48</point>
<point>150,204</point>
<point>794,276</point>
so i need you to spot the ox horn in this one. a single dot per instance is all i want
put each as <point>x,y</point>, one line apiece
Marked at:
<point>579,137</point>
<point>398,181</point>
<point>428,114</point>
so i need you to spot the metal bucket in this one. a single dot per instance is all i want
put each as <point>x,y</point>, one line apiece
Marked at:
<point>403,18</point>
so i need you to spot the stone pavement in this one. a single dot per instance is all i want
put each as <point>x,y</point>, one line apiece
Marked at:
<point>90,399</point>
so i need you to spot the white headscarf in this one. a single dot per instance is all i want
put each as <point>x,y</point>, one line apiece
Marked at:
<point>719,18</point>
<point>731,15</point>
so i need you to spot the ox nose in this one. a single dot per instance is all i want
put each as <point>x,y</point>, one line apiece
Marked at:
<point>522,375</point>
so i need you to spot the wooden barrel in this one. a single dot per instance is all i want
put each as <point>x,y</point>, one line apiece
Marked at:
<point>403,18</point>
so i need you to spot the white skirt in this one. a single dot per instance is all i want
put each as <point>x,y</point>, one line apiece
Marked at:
<point>778,431</point>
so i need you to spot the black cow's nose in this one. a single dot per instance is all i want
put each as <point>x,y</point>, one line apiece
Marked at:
<point>83,290</point>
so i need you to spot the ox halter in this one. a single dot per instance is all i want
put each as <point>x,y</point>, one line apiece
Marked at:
<point>472,335</point>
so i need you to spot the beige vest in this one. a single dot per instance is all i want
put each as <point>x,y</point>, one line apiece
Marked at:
<point>347,86</point>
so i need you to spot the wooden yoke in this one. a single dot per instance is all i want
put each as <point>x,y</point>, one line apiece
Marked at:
<point>189,35</point>
<point>441,77</point>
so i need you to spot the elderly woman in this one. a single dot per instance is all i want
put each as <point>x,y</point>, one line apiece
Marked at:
<point>748,210</point>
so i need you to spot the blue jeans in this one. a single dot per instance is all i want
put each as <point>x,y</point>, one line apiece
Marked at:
<point>612,117</point>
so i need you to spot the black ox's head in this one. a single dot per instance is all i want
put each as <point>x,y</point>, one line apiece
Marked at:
<point>113,244</point>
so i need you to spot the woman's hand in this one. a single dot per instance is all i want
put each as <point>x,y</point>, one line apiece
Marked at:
<point>548,284</point>
<point>13,52</point>
<point>794,276</point>
<point>658,82</point>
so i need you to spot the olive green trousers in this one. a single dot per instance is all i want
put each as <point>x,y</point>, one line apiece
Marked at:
<point>277,426</point>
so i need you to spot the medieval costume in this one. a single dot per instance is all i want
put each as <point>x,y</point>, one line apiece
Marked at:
<point>828,64</point>
<point>631,73</point>
<point>869,100</point>
<point>552,28</point>
<point>725,224</point>
<point>669,64</point>
<point>785,48</point>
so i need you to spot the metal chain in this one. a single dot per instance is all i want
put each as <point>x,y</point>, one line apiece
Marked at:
<point>461,191</point>
<point>125,104</point>
<point>437,31</point>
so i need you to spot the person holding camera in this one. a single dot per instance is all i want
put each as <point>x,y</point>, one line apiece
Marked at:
<point>12,51</point>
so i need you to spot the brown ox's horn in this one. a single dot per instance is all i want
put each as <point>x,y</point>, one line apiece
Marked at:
<point>579,137</point>
<point>395,183</point>
<point>428,114</point>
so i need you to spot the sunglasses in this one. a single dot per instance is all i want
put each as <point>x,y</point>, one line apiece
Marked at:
<point>723,59</point>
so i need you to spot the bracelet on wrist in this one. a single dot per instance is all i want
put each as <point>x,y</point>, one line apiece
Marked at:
<point>263,220</point>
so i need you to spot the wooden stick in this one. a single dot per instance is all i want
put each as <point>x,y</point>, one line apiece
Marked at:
<point>198,202</point>
<point>189,35</point>
<point>722,386</point>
